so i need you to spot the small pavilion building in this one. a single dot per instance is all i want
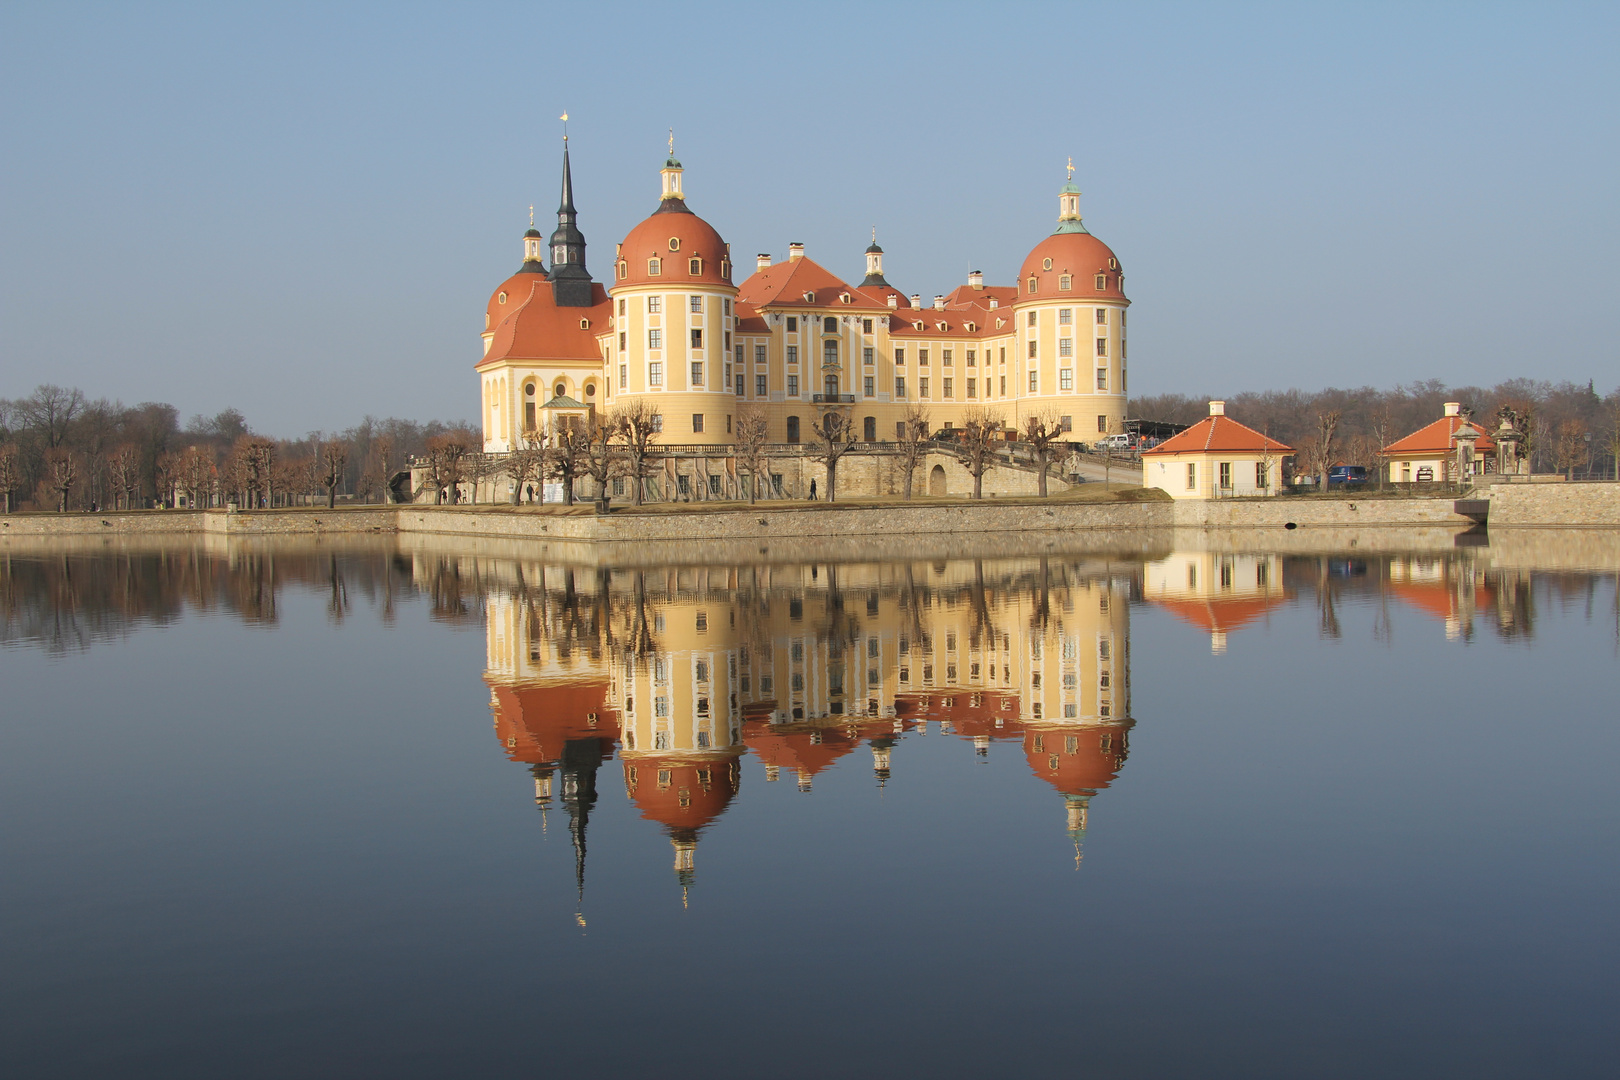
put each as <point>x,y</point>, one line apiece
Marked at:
<point>1216,458</point>
<point>1437,453</point>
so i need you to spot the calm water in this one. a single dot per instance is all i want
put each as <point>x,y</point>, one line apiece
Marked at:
<point>377,811</point>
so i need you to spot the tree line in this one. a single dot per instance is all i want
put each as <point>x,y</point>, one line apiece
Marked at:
<point>1566,427</point>
<point>63,450</point>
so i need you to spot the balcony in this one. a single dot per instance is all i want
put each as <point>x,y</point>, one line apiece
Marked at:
<point>832,399</point>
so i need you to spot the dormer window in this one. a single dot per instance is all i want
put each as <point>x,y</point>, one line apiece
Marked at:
<point>971,328</point>
<point>694,267</point>
<point>624,269</point>
<point>941,326</point>
<point>916,326</point>
<point>655,267</point>
<point>1066,282</point>
<point>843,298</point>
<point>1032,283</point>
<point>809,297</point>
<point>1102,282</point>
<point>584,324</point>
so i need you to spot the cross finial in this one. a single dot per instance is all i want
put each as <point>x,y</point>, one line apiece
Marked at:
<point>1071,166</point>
<point>564,119</point>
<point>531,215</point>
<point>671,142</point>
<point>874,234</point>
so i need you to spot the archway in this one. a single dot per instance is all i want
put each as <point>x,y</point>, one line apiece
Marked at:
<point>936,480</point>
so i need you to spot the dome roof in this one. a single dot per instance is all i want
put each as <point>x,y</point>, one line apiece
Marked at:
<point>693,792</point>
<point>675,236</point>
<point>1078,254</point>
<point>1089,767</point>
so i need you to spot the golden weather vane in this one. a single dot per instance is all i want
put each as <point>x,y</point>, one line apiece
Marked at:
<point>564,119</point>
<point>671,142</point>
<point>1071,166</point>
<point>531,215</point>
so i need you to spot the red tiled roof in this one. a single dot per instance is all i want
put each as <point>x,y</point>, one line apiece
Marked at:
<point>694,237</point>
<point>532,327</point>
<point>1215,434</point>
<point>1437,438</point>
<point>786,283</point>
<point>1077,253</point>
<point>749,320</point>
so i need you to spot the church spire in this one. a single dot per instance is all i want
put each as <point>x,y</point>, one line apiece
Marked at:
<point>874,266</point>
<point>672,200</point>
<point>570,281</point>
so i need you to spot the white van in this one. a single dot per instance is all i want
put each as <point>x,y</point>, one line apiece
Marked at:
<point>1116,442</point>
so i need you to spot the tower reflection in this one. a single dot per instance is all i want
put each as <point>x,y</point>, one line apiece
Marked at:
<point>686,672</point>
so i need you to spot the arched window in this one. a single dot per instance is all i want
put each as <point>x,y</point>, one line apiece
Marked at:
<point>793,429</point>
<point>1032,283</point>
<point>562,391</point>
<point>869,429</point>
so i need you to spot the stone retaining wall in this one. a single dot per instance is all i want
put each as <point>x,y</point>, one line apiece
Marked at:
<point>1584,504</point>
<point>1316,513</point>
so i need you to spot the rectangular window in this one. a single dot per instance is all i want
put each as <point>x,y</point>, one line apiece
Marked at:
<point>694,303</point>
<point>1065,282</point>
<point>697,339</point>
<point>761,386</point>
<point>868,357</point>
<point>725,307</point>
<point>1003,351</point>
<point>1192,476</point>
<point>829,353</point>
<point>972,358</point>
<point>697,423</point>
<point>899,355</point>
<point>655,304</point>
<point>739,355</point>
<point>714,485</point>
<point>793,354</point>
<point>1102,346</point>
<point>742,384</point>
<point>1031,319</point>
<point>900,430</point>
<point>1102,378</point>
<point>1065,346</point>
<point>655,374</point>
<point>869,386</point>
<point>655,267</point>
<point>1034,382</point>
<point>1226,482</point>
<point>1102,282</point>
<point>1065,316</point>
<point>793,324</point>
<point>759,354</point>
<point>658,423</point>
<point>922,388</point>
<point>1032,350</point>
<point>697,373</point>
<point>624,376</point>
<point>899,387</point>
<point>792,437</point>
<point>793,386</point>
<point>1003,390</point>
<point>922,357</point>
<point>1067,423</point>
<point>866,326</point>
<point>655,339</point>
<point>1261,480</point>
<point>972,388</point>
<point>1102,425</point>
<point>624,341</point>
<point>948,392</point>
<point>1065,379</point>
<point>1102,316</point>
<point>829,325</point>
<point>945,357</point>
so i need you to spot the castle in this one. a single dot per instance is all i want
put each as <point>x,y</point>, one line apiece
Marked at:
<point>794,339</point>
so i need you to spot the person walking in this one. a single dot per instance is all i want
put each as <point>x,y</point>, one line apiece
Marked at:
<point>812,491</point>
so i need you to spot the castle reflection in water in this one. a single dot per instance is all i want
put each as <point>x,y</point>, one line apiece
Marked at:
<point>694,676</point>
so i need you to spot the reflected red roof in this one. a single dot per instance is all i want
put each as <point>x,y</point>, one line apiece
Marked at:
<point>802,748</point>
<point>534,721</point>
<point>1077,759</point>
<point>1220,613</point>
<point>682,792</point>
<point>1439,598</point>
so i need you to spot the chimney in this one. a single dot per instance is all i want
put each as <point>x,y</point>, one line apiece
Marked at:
<point>762,261</point>
<point>894,300</point>
<point>976,280</point>
<point>1453,408</point>
<point>939,302</point>
<point>795,251</point>
<point>916,300</point>
<point>1217,408</point>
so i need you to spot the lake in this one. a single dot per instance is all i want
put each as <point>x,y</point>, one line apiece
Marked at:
<point>400,808</point>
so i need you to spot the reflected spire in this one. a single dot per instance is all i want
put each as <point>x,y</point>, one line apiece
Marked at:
<point>684,841</point>
<point>581,758</point>
<point>1078,810</point>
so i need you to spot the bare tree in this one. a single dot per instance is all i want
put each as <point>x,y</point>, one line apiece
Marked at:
<point>1614,432</point>
<point>565,455</point>
<point>62,472</point>
<point>124,468</point>
<point>10,472</point>
<point>1321,447</point>
<point>640,423</point>
<point>1041,431</point>
<point>165,475</point>
<point>832,430</point>
<point>50,410</point>
<point>752,431</point>
<point>523,464</point>
<point>374,474</point>
<point>334,457</point>
<point>1572,448</point>
<point>976,446</point>
<point>1383,433</point>
<point>195,475</point>
<point>913,443</point>
<point>447,460</point>
<point>601,459</point>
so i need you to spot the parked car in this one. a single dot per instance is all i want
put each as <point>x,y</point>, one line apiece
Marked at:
<point>1115,442</point>
<point>1347,476</point>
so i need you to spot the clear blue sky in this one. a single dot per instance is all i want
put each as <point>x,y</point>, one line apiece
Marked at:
<point>300,211</point>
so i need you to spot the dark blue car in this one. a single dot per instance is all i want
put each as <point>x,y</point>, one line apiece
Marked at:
<point>1347,475</point>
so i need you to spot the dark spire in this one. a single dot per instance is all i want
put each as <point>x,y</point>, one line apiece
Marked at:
<point>580,760</point>
<point>570,281</point>
<point>874,266</point>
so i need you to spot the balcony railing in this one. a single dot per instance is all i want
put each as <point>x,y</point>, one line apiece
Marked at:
<point>832,399</point>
